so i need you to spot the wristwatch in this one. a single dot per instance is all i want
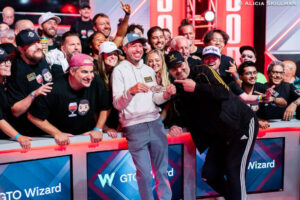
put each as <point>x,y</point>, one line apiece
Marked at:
<point>296,102</point>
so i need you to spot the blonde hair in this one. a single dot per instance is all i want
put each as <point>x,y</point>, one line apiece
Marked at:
<point>101,69</point>
<point>163,71</point>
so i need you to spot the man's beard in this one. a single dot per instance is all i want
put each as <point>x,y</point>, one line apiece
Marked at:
<point>34,58</point>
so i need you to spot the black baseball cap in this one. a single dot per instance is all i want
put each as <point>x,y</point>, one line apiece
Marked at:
<point>243,48</point>
<point>173,59</point>
<point>84,5</point>
<point>26,38</point>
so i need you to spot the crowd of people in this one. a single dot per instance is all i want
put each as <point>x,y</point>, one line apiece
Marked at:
<point>90,82</point>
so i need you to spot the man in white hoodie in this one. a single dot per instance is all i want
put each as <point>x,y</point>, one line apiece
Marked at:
<point>135,95</point>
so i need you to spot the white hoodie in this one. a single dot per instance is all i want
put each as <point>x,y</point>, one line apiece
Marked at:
<point>141,107</point>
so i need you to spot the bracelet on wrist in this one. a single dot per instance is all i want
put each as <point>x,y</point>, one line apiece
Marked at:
<point>274,99</point>
<point>259,98</point>
<point>98,129</point>
<point>127,15</point>
<point>16,136</point>
<point>235,78</point>
<point>32,95</point>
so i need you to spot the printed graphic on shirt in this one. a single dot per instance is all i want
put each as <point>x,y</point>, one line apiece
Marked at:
<point>148,79</point>
<point>84,107</point>
<point>39,79</point>
<point>31,76</point>
<point>72,109</point>
<point>90,32</point>
<point>83,33</point>
<point>47,75</point>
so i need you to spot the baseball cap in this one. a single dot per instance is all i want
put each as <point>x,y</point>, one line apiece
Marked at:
<point>131,37</point>
<point>211,50</point>
<point>81,60</point>
<point>243,48</point>
<point>108,47</point>
<point>3,55</point>
<point>173,59</point>
<point>84,5</point>
<point>48,15</point>
<point>26,37</point>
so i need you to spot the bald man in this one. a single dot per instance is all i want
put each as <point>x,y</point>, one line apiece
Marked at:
<point>290,69</point>
<point>8,15</point>
<point>3,26</point>
<point>22,25</point>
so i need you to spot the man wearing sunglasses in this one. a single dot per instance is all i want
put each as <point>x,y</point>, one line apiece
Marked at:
<point>248,53</point>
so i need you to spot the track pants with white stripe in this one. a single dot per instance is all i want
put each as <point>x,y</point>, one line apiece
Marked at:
<point>226,163</point>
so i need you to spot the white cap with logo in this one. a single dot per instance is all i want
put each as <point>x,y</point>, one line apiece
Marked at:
<point>211,50</point>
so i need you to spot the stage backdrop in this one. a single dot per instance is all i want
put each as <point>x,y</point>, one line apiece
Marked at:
<point>236,17</point>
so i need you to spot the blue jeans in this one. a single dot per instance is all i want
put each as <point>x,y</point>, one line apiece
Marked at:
<point>149,139</point>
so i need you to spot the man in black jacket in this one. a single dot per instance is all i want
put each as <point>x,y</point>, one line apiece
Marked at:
<point>217,120</point>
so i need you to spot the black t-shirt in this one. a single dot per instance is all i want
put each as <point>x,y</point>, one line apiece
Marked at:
<point>72,111</point>
<point>85,30</point>
<point>194,62</point>
<point>197,53</point>
<point>224,65</point>
<point>23,80</point>
<point>56,43</point>
<point>4,106</point>
<point>271,110</point>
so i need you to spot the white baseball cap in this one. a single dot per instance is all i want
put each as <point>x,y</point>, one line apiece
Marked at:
<point>108,47</point>
<point>211,50</point>
<point>48,15</point>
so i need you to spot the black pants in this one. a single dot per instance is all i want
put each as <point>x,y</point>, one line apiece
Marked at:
<point>226,163</point>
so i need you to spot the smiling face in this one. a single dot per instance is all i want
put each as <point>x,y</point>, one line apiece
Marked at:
<point>212,61</point>
<point>154,61</point>
<point>157,40</point>
<point>249,75</point>
<point>50,28</point>
<point>276,75</point>
<point>217,40</point>
<point>103,26</point>
<point>111,59</point>
<point>5,67</point>
<point>82,76</point>
<point>134,52</point>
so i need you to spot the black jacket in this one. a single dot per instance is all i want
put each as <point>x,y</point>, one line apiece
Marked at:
<point>212,111</point>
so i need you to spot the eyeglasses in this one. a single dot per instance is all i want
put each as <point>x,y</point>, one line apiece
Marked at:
<point>277,72</point>
<point>250,73</point>
<point>217,40</point>
<point>245,55</point>
<point>4,63</point>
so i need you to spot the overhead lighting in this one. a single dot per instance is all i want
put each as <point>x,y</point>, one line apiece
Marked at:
<point>209,16</point>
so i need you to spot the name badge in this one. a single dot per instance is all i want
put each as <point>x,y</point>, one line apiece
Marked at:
<point>31,76</point>
<point>148,79</point>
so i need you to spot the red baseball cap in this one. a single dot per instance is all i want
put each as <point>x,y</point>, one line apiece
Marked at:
<point>80,59</point>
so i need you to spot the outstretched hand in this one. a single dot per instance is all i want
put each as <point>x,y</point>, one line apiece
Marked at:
<point>189,85</point>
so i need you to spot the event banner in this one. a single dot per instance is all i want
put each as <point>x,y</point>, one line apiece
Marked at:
<point>111,174</point>
<point>265,169</point>
<point>43,179</point>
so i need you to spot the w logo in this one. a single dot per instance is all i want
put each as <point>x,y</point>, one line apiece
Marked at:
<point>107,178</point>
